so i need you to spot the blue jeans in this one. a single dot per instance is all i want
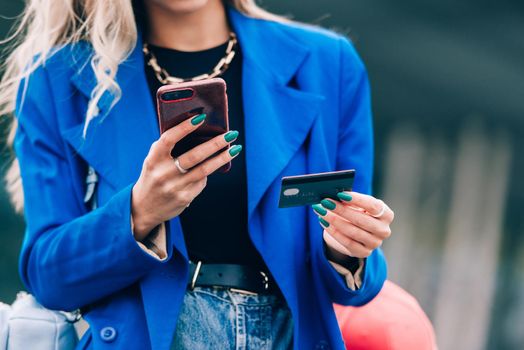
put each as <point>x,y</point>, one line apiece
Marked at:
<point>219,318</point>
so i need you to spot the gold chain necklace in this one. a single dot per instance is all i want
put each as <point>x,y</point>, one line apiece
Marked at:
<point>163,76</point>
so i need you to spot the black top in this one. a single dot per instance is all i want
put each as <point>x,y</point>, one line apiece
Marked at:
<point>215,224</point>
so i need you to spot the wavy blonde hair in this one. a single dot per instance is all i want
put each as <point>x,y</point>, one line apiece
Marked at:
<point>47,24</point>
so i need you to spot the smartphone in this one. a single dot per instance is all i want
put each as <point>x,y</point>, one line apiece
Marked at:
<point>312,188</point>
<point>179,102</point>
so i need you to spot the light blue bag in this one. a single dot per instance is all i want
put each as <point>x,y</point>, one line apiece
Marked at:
<point>28,325</point>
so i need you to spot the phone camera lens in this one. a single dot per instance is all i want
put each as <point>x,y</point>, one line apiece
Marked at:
<point>177,95</point>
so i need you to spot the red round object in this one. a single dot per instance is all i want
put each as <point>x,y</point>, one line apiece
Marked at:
<point>393,320</point>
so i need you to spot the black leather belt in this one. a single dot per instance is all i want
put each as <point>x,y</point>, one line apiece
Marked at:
<point>233,276</point>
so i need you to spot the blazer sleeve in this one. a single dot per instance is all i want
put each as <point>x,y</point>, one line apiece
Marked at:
<point>70,257</point>
<point>355,151</point>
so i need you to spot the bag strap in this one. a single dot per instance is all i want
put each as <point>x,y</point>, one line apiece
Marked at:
<point>90,197</point>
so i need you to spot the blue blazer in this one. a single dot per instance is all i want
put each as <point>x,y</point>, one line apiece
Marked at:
<point>307,110</point>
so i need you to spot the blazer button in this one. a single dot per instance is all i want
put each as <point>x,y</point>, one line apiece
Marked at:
<point>108,334</point>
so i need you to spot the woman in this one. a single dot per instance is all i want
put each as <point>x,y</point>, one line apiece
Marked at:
<point>172,240</point>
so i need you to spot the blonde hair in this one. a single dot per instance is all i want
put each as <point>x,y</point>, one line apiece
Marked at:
<point>47,24</point>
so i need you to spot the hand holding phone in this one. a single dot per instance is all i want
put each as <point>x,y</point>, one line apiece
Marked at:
<point>162,190</point>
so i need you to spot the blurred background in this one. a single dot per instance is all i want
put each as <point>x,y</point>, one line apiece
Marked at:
<point>448,97</point>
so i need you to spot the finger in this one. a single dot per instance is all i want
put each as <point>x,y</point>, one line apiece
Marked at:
<point>203,151</point>
<point>346,228</point>
<point>370,204</point>
<point>353,248</point>
<point>207,167</point>
<point>170,137</point>
<point>358,218</point>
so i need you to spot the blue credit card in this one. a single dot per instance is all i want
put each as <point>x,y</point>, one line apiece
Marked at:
<point>310,189</point>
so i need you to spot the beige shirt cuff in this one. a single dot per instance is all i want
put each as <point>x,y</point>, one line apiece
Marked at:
<point>155,242</point>
<point>353,281</point>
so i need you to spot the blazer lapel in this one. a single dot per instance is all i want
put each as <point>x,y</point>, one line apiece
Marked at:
<point>278,116</point>
<point>118,139</point>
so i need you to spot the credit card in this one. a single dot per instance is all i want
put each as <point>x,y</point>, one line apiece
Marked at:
<point>310,189</point>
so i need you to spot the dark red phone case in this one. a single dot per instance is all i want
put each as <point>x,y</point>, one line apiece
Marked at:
<point>209,97</point>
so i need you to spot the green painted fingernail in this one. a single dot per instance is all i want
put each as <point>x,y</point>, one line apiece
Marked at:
<point>198,119</point>
<point>326,203</point>
<point>233,151</point>
<point>323,222</point>
<point>344,196</point>
<point>319,209</point>
<point>231,135</point>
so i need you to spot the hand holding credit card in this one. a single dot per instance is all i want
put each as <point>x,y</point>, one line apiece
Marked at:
<point>354,223</point>
<point>312,188</point>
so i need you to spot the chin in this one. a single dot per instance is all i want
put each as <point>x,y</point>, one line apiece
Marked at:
<point>181,6</point>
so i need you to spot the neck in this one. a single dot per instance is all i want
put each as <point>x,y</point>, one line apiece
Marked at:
<point>197,30</point>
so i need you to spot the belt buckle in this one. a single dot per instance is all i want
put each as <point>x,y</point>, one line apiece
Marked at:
<point>195,274</point>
